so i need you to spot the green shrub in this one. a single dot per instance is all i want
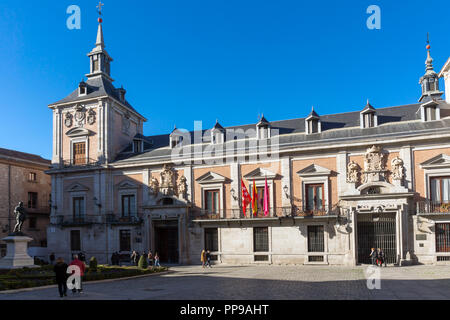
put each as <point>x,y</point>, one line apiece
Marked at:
<point>93,264</point>
<point>143,264</point>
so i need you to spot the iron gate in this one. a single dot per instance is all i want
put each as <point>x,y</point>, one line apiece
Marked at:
<point>377,231</point>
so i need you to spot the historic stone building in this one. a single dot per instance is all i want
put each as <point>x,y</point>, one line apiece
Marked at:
<point>338,184</point>
<point>23,179</point>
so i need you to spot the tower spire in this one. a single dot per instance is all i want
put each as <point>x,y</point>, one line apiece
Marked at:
<point>100,59</point>
<point>430,80</point>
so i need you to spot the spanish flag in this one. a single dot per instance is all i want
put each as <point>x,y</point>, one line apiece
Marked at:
<point>255,199</point>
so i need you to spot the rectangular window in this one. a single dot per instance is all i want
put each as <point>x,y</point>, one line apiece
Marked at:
<point>32,177</point>
<point>314,197</point>
<point>79,153</point>
<point>261,239</point>
<point>211,239</point>
<point>75,240</point>
<point>78,208</point>
<point>128,206</point>
<point>32,200</point>
<point>212,203</point>
<point>430,113</point>
<point>442,237</point>
<point>440,190</point>
<point>316,241</point>
<point>137,146</point>
<point>32,223</point>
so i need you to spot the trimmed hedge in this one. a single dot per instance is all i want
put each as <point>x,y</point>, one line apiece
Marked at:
<point>29,278</point>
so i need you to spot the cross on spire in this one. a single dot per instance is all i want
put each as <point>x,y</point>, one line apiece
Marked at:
<point>100,5</point>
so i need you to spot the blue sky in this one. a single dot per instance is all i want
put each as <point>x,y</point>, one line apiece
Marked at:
<point>230,60</point>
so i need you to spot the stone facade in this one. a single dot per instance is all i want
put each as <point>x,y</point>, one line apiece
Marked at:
<point>23,174</point>
<point>335,183</point>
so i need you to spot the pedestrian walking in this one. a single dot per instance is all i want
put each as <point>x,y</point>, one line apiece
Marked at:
<point>373,256</point>
<point>203,258</point>
<point>60,270</point>
<point>208,259</point>
<point>135,258</point>
<point>150,259</point>
<point>80,264</point>
<point>157,260</point>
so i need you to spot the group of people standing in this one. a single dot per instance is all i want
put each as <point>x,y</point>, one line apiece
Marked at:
<point>378,257</point>
<point>60,269</point>
<point>206,258</point>
<point>153,260</point>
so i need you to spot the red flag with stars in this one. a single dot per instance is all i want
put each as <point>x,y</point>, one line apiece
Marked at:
<point>246,199</point>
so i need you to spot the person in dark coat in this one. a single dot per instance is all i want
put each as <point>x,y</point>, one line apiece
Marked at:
<point>60,270</point>
<point>208,259</point>
<point>381,257</point>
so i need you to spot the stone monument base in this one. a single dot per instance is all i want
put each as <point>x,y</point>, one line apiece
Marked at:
<point>16,253</point>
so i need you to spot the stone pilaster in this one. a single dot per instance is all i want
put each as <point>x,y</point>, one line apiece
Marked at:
<point>341,167</point>
<point>406,156</point>
<point>286,181</point>
<point>235,184</point>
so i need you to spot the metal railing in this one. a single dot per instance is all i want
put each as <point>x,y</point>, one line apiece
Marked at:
<point>86,220</point>
<point>429,206</point>
<point>202,214</point>
<point>88,162</point>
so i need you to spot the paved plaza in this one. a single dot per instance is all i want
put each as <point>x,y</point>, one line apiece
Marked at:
<point>263,282</point>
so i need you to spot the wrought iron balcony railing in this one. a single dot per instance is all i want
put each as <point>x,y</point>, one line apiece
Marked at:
<point>202,214</point>
<point>86,220</point>
<point>428,206</point>
<point>85,162</point>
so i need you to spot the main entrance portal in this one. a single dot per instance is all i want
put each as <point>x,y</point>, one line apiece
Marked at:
<point>377,231</point>
<point>166,241</point>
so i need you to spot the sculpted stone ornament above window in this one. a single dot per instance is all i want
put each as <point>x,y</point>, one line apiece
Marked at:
<point>80,115</point>
<point>91,117</point>
<point>167,184</point>
<point>182,187</point>
<point>154,186</point>
<point>374,165</point>
<point>353,172</point>
<point>68,122</point>
<point>398,170</point>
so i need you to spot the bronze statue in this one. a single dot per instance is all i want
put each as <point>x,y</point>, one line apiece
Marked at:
<point>20,218</point>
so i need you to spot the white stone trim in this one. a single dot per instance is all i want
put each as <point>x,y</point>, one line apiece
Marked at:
<point>78,195</point>
<point>214,186</point>
<point>78,140</point>
<point>430,173</point>
<point>126,192</point>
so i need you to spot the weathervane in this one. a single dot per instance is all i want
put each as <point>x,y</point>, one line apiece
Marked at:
<point>428,41</point>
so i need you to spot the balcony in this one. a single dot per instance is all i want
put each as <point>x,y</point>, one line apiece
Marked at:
<point>275,213</point>
<point>78,221</point>
<point>41,210</point>
<point>429,207</point>
<point>120,220</point>
<point>80,163</point>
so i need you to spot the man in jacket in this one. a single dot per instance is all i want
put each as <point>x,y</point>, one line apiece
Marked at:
<point>60,270</point>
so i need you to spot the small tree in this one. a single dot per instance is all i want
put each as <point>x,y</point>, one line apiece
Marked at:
<point>93,264</point>
<point>143,264</point>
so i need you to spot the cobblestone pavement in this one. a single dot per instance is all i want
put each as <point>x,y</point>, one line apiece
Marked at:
<point>264,283</point>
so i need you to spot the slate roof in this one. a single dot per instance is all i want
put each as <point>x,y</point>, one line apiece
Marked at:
<point>340,126</point>
<point>23,156</point>
<point>97,87</point>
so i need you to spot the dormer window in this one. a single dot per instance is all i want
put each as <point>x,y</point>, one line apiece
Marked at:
<point>122,93</point>
<point>82,88</point>
<point>175,138</point>
<point>217,134</point>
<point>430,111</point>
<point>312,123</point>
<point>368,117</point>
<point>263,128</point>
<point>137,146</point>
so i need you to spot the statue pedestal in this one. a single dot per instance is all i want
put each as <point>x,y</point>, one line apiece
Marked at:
<point>16,253</point>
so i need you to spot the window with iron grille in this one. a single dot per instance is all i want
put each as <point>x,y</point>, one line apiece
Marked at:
<point>211,239</point>
<point>316,239</point>
<point>32,200</point>
<point>75,240</point>
<point>442,237</point>
<point>125,240</point>
<point>261,239</point>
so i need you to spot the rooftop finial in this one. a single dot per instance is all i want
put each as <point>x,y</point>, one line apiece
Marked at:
<point>100,5</point>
